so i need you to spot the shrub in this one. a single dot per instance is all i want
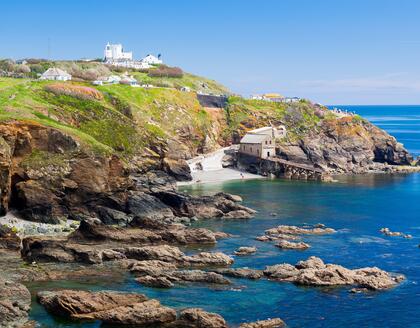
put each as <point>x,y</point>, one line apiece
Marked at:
<point>77,91</point>
<point>22,69</point>
<point>166,71</point>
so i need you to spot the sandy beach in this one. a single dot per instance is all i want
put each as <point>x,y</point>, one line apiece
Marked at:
<point>212,170</point>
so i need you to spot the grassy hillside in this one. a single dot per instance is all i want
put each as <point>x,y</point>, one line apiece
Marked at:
<point>131,121</point>
<point>122,119</point>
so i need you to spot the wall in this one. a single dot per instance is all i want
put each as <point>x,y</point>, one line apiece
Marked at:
<point>212,101</point>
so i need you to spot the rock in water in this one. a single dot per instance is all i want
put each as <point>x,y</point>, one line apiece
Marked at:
<point>198,318</point>
<point>15,301</point>
<point>284,244</point>
<point>241,273</point>
<point>108,307</point>
<point>314,272</point>
<point>294,230</point>
<point>245,251</point>
<point>270,323</point>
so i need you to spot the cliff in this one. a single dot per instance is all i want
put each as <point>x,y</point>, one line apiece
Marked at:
<point>69,148</point>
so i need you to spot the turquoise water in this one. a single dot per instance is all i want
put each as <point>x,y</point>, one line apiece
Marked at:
<point>356,206</point>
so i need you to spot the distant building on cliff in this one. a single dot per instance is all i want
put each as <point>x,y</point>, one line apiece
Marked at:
<point>56,74</point>
<point>115,55</point>
<point>261,142</point>
<point>152,60</point>
<point>275,97</point>
<point>115,52</point>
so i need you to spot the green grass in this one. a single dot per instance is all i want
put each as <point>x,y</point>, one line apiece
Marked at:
<point>128,120</point>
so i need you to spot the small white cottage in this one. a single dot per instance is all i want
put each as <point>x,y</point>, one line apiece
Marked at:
<point>56,74</point>
<point>151,60</point>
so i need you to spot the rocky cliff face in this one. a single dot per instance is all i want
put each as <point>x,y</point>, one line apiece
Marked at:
<point>346,145</point>
<point>48,176</point>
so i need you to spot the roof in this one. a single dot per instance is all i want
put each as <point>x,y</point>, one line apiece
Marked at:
<point>273,95</point>
<point>250,138</point>
<point>263,129</point>
<point>54,71</point>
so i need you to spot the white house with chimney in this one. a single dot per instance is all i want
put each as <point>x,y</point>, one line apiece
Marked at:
<point>55,74</point>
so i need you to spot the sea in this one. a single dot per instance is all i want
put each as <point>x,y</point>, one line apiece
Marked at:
<point>356,206</point>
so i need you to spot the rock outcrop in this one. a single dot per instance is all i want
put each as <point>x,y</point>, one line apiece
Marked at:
<point>9,239</point>
<point>124,309</point>
<point>242,251</point>
<point>241,273</point>
<point>269,323</point>
<point>198,318</point>
<point>15,301</point>
<point>314,272</point>
<point>284,244</point>
<point>108,307</point>
<point>346,145</point>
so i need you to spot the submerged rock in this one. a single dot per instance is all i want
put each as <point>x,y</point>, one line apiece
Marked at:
<point>156,282</point>
<point>294,230</point>
<point>241,273</point>
<point>390,233</point>
<point>245,251</point>
<point>314,272</point>
<point>270,323</point>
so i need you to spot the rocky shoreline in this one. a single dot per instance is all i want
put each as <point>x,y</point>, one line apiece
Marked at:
<point>150,252</point>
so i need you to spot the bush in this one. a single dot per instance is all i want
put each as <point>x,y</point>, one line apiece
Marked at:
<point>88,74</point>
<point>166,71</point>
<point>77,91</point>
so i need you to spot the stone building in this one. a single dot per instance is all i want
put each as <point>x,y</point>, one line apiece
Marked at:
<point>261,142</point>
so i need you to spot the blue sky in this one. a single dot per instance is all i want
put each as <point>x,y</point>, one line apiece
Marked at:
<point>330,51</point>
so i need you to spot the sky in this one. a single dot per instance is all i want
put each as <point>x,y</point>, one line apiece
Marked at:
<point>329,51</point>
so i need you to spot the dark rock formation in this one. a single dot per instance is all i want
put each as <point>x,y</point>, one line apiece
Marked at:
<point>346,144</point>
<point>179,169</point>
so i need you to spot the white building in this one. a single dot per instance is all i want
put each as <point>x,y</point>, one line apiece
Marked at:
<point>115,52</point>
<point>278,132</point>
<point>152,60</point>
<point>56,74</point>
